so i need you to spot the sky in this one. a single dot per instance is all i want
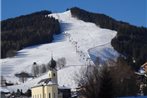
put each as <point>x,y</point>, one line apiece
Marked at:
<point>131,11</point>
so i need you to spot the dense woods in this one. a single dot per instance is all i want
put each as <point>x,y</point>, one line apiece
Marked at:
<point>131,41</point>
<point>27,30</point>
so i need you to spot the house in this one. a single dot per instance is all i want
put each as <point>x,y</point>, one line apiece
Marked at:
<point>65,92</point>
<point>144,66</point>
<point>48,88</point>
<point>4,92</point>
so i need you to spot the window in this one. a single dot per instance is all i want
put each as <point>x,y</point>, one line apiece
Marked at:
<point>54,74</point>
<point>49,95</point>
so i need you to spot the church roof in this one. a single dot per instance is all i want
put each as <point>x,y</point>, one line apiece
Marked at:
<point>46,81</point>
<point>4,90</point>
<point>63,87</point>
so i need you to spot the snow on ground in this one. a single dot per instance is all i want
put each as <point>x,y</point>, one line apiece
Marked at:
<point>87,37</point>
<point>75,42</point>
<point>103,53</point>
<point>40,54</point>
<point>66,78</point>
<point>4,90</point>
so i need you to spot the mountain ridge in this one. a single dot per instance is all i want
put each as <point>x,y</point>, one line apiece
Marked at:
<point>72,44</point>
<point>127,38</point>
<point>130,40</point>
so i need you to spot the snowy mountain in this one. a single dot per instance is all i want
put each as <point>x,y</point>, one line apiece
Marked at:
<point>80,43</point>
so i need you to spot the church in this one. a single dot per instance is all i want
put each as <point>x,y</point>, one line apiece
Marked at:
<point>48,88</point>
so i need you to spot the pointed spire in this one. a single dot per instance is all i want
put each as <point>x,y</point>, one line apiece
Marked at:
<point>52,61</point>
<point>51,54</point>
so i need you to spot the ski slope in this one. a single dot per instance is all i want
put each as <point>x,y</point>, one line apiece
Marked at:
<point>77,40</point>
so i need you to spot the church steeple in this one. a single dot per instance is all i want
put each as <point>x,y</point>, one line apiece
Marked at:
<point>47,88</point>
<point>53,72</point>
<point>51,55</point>
<point>52,62</point>
<point>52,75</point>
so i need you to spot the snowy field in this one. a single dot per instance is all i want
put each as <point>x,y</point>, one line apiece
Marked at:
<point>77,41</point>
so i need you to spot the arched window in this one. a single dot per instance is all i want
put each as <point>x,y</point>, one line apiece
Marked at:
<point>54,74</point>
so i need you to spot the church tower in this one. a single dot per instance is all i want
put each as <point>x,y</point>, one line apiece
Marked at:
<point>47,88</point>
<point>52,73</point>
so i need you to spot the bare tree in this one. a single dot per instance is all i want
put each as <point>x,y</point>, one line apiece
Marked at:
<point>43,68</point>
<point>107,85</point>
<point>35,69</point>
<point>89,84</point>
<point>112,79</point>
<point>23,76</point>
<point>61,62</point>
<point>124,78</point>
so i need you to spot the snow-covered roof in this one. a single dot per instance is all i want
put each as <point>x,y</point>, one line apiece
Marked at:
<point>46,81</point>
<point>63,87</point>
<point>4,90</point>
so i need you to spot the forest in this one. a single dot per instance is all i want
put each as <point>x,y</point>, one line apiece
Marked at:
<point>27,30</point>
<point>130,41</point>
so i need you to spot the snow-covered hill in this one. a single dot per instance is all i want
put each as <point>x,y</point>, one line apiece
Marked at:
<point>77,41</point>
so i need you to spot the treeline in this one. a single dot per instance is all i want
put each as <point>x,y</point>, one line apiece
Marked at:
<point>130,41</point>
<point>27,30</point>
<point>38,70</point>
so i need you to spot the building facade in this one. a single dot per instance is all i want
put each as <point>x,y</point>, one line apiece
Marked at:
<point>46,88</point>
